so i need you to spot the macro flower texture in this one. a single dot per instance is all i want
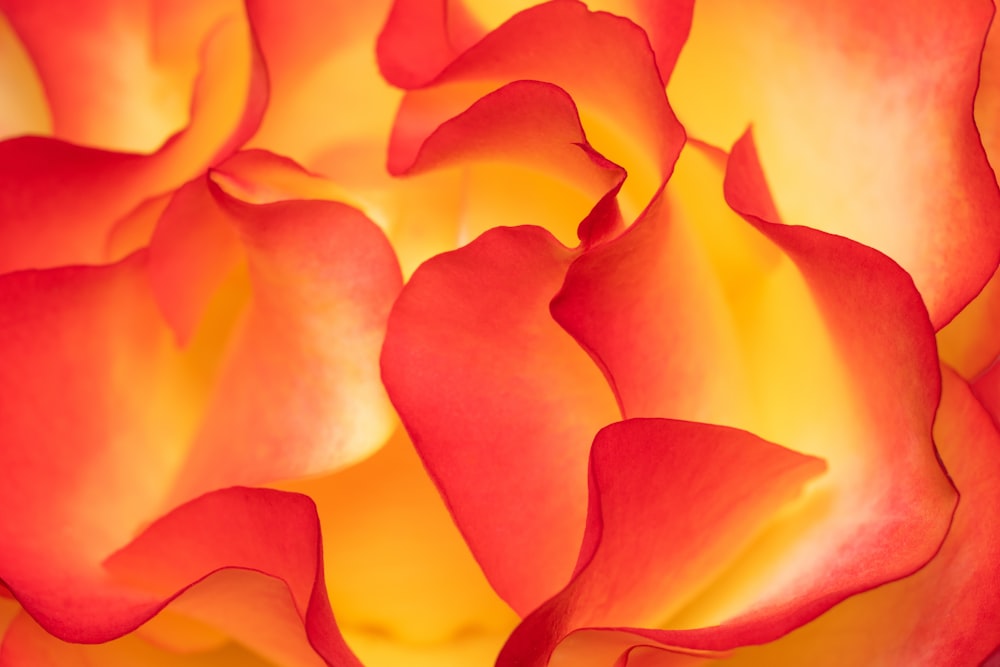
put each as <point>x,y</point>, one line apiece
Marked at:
<point>456,333</point>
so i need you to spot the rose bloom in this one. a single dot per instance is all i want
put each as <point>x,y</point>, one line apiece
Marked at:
<point>440,333</point>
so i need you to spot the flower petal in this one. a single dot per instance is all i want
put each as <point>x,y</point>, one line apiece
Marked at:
<point>822,363</point>
<point>61,201</point>
<point>244,560</point>
<point>948,613</point>
<point>604,62</point>
<point>670,502</point>
<point>863,117</point>
<point>421,38</point>
<point>95,334</point>
<point>327,98</point>
<point>300,391</point>
<point>501,404</point>
<point>526,159</point>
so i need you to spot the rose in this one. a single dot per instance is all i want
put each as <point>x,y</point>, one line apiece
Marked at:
<point>450,143</point>
<point>503,404</point>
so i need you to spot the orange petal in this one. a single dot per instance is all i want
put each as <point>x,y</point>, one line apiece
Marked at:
<point>25,110</point>
<point>86,365</point>
<point>326,92</point>
<point>61,202</point>
<point>604,62</point>
<point>863,117</point>
<point>948,613</point>
<point>821,362</point>
<point>110,77</point>
<point>527,161</point>
<point>501,404</point>
<point>670,503</point>
<point>244,560</point>
<point>987,109</point>
<point>300,392</point>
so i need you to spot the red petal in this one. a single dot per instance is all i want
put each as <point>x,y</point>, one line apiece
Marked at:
<point>863,117</point>
<point>501,404</point>
<point>60,202</point>
<point>671,503</point>
<point>605,64</point>
<point>194,559</point>
<point>948,613</point>
<point>812,357</point>
<point>77,345</point>
<point>422,37</point>
<point>535,127</point>
<point>300,392</point>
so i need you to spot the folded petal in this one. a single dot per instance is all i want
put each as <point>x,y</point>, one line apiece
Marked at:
<point>247,561</point>
<point>808,356</point>
<point>526,160</point>
<point>671,503</point>
<point>603,62</point>
<point>501,404</point>
<point>61,201</point>
<point>863,117</point>
<point>948,613</point>
<point>421,38</point>
<point>299,392</point>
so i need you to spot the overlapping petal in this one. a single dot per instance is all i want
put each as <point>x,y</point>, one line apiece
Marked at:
<point>62,199</point>
<point>879,420</point>
<point>271,328</point>
<point>948,612</point>
<point>605,63</point>
<point>671,502</point>
<point>863,114</point>
<point>300,391</point>
<point>248,561</point>
<point>501,404</point>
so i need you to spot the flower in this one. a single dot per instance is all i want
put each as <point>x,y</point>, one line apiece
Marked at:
<point>684,309</point>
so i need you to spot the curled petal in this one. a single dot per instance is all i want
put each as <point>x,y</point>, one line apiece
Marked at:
<point>245,560</point>
<point>501,404</point>
<point>299,392</point>
<point>527,159</point>
<point>947,613</point>
<point>47,177</point>
<point>820,362</point>
<point>670,503</point>
<point>863,115</point>
<point>604,62</point>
